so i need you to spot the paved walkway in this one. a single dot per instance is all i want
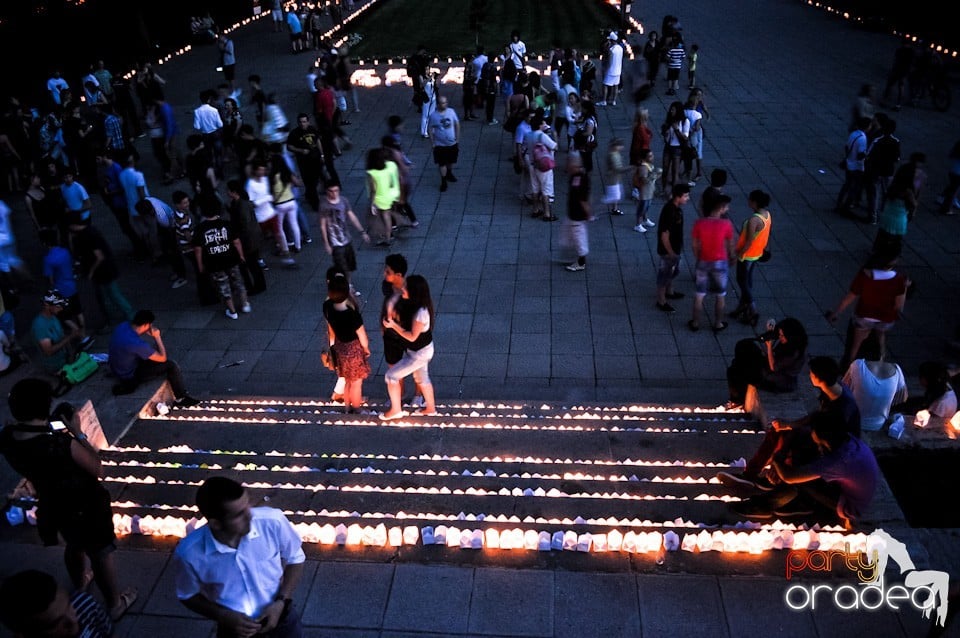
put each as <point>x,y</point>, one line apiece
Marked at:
<point>780,79</point>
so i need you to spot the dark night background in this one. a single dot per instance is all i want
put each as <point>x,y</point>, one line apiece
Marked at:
<point>37,36</point>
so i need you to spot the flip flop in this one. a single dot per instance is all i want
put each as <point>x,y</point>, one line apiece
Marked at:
<point>720,327</point>
<point>693,325</point>
<point>391,417</point>
<point>127,598</point>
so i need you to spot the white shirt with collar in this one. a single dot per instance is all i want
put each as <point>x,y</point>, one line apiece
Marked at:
<point>206,119</point>
<point>245,579</point>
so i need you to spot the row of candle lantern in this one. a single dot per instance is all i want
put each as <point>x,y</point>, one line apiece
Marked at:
<point>355,535</point>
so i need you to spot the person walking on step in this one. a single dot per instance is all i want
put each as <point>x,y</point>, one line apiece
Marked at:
<point>134,361</point>
<point>242,568</point>
<point>50,450</point>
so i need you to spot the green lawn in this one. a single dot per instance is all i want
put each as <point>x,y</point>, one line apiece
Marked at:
<point>393,28</point>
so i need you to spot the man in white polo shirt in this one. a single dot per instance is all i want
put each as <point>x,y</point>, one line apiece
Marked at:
<point>242,567</point>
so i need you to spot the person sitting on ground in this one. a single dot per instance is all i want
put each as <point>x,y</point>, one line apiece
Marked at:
<point>842,479</point>
<point>57,348</point>
<point>49,449</point>
<point>791,441</point>
<point>773,366</point>
<point>134,361</point>
<point>938,398</point>
<point>32,603</point>
<point>876,385</point>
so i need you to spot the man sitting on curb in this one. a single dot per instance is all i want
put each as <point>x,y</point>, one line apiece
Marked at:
<point>842,480</point>
<point>792,443</point>
<point>134,361</point>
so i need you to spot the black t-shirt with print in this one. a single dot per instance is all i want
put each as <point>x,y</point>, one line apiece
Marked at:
<point>215,238</point>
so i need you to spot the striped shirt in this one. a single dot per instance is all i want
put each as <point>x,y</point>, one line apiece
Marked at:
<point>91,616</point>
<point>675,57</point>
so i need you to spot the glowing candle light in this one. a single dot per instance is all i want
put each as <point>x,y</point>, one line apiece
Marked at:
<point>453,536</point>
<point>492,538</point>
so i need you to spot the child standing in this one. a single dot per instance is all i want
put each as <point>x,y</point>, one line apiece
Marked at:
<point>692,58</point>
<point>645,181</point>
<point>615,168</point>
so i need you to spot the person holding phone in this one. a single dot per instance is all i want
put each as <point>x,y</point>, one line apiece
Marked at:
<point>51,451</point>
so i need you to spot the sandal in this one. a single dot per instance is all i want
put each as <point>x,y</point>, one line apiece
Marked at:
<point>693,325</point>
<point>720,327</point>
<point>127,598</point>
<point>396,415</point>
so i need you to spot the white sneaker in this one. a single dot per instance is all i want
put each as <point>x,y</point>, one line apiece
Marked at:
<point>649,223</point>
<point>600,103</point>
<point>576,267</point>
<point>246,308</point>
<point>179,282</point>
<point>230,315</point>
<point>640,228</point>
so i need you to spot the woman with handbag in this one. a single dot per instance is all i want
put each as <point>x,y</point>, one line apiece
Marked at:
<point>752,248</point>
<point>349,347</point>
<point>676,132</point>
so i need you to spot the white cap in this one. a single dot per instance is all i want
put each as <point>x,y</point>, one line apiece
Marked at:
<point>613,36</point>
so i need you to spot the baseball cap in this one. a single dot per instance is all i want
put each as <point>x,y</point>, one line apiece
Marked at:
<point>613,36</point>
<point>54,298</point>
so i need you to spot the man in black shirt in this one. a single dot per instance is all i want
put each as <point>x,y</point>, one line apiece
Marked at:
<point>304,143</point>
<point>670,246</point>
<point>218,251</point>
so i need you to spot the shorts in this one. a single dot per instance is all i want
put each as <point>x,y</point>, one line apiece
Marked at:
<point>227,281</point>
<point>668,270</point>
<point>614,193</point>
<point>611,80</point>
<point>230,72</point>
<point>277,15</point>
<point>446,155</point>
<point>867,323</point>
<point>711,277</point>
<point>296,37</point>
<point>578,237</point>
<point>345,258</point>
<point>673,74</point>
<point>542,182</point>
<point>87,525</point>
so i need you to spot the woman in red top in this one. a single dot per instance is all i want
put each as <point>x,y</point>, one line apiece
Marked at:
<point>880,293</point>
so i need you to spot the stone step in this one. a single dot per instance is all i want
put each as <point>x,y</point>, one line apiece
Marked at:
<point>570,472</point>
